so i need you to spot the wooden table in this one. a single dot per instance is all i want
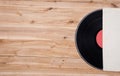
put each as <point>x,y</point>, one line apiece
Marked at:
<point>37,37</point>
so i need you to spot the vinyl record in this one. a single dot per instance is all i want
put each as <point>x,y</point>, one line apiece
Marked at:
<point>86,42</point>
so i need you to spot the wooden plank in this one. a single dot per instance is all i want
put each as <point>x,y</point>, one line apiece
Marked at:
<point>58,0</point>
<point>39,63</point>
<point>35,33</point>
<point>43,62</point>
<point>47,66</point>
<point>42,48</point>
<point>48,74</point>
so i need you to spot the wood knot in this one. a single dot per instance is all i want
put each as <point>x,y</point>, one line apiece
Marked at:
<point>65,37</point>
<point>71,21</point>
<point>3,63</point>
<point>114,5</point>
<point>91,1</point>
<point>48,9</point>
<point>32,21</point>
<point>19,13</point>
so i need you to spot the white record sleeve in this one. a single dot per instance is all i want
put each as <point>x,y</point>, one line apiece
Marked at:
<point>111,39</point>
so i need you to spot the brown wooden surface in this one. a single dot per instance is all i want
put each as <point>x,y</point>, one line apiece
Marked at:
<point>37,37</point>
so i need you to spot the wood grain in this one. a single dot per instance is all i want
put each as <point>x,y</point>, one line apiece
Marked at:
<point>37,37</point>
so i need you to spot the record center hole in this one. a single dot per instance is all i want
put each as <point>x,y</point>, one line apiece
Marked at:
<point>99,38</point>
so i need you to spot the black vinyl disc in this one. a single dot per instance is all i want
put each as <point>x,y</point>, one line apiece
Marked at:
<point>86,39</point>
